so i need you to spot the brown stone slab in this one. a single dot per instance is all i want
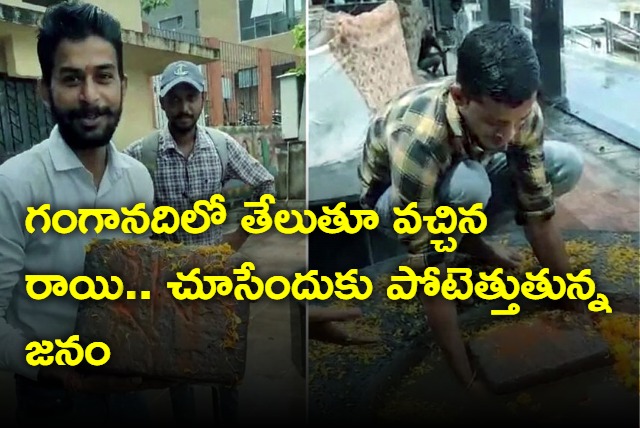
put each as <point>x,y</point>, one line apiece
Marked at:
<point>198,341</point>
<point>544,348</point>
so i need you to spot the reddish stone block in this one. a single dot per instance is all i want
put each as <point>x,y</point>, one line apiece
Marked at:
<point>550,346</point>
<point>197,341</point>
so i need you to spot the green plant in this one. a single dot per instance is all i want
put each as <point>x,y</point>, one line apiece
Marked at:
<point>149,5</point>
<point>300,42</point>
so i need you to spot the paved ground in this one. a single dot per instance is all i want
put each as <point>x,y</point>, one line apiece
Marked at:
<point>273,390</point>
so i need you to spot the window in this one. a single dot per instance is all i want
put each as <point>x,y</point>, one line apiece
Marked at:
<point>171,23</point>
<point>264,18</point>
<point>197,19</point>
<point>247,78</point>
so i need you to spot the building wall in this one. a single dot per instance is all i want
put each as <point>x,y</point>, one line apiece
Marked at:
<point>138,110</point>
<point>280,43</point>
<point>18,58</point>
<point>186,9</point>
<point>3,59</point>
<point>219,19</point>
<point>286,162</point>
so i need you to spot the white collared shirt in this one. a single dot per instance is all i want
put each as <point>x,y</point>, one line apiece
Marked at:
<point>50,172</point>
<point>461,25</point>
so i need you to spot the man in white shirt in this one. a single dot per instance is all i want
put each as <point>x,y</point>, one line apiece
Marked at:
<point>80,54</point>
<point>460,20</point>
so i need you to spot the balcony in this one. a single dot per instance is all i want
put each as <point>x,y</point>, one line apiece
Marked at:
<point>271,26</point>
<point>193,39</point>
<point>43,3</point>
<point>145,52</point>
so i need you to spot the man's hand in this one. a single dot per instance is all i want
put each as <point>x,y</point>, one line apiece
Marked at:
<point>322,327</point>
<point>549,248</point>
<point>72,380</point>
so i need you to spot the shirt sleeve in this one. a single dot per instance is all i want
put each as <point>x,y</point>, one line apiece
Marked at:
<point>414,175</point>
<point>526,161</point>
<point>242,166</point>
<point>13,241</point>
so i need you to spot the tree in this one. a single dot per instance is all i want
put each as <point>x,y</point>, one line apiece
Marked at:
<point>300,43</point>
<point>149,5</point>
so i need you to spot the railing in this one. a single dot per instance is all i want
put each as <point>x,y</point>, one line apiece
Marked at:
<point>267,28</point>
<point>574,33</point>
<point>594,43</point>
<point>630,42</point>
<point>178,36</point>
<point>527,19</point>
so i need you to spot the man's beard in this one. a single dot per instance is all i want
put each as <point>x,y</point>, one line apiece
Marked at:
<point>178,128</point>
<point>77,136</point>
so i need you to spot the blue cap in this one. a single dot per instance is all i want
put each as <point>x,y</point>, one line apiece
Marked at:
<point>181,72</point>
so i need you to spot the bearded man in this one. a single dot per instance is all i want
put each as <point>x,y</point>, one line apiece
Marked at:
<point>83,83</point>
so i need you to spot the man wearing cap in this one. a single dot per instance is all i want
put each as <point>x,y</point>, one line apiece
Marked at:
<point>188,163</point>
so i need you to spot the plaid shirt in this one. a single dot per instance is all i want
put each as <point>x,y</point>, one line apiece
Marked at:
<point>420,135</point>
<point>180,182</point>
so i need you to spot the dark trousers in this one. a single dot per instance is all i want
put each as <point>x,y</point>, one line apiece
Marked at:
<point>39,405</point>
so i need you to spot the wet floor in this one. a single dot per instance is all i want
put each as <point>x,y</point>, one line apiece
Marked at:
<point>603,90</point>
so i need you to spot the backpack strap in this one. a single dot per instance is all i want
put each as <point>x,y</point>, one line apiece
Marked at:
<point>149,152</point>
<point>219,139</point>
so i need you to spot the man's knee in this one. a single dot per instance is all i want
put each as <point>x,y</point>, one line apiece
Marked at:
<point>466,184</point>
<point>564,164</point>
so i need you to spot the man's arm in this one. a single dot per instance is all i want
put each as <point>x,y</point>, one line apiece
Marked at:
<point>548,245</point>
<point>418,172</point>
<point>536,205</point>
<point>434,42</point>
<point>12,253</point>
<point>244,167</point>
<point>323,329</point>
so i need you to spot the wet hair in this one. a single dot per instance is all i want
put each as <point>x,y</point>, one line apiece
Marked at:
<point>497,60</point>
<point>71,20</point>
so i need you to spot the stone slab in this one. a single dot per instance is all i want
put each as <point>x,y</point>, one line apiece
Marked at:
<point>195,341</point>
<point>544,348</point>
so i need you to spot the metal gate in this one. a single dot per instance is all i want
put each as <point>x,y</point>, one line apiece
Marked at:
<point>24,120</point>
